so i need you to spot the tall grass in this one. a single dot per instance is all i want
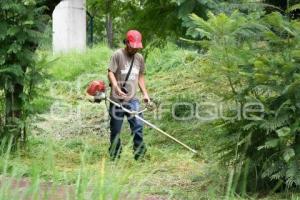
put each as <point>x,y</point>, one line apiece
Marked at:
<point>70,170</point>
<point>168,71</point>
<point>69,67</point>
<point>75,165</point>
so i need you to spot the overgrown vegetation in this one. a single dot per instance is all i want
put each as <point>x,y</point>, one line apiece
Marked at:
<point>21,28</point>
<point>242,58</point>
<point>256,57</point>
<point>68,151</point>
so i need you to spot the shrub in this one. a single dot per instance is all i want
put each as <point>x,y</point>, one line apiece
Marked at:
<point>256,57</point>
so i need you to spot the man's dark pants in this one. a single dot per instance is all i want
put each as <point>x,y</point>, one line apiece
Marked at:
<point>136,126</point>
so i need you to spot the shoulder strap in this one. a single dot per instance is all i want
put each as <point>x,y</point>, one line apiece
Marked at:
<point>129,71</point>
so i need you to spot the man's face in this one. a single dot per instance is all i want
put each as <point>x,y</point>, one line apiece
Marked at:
<point>131,50</point>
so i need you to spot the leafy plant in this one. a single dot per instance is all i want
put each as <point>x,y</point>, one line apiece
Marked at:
<point>256,58</point>
<point>21,26</point>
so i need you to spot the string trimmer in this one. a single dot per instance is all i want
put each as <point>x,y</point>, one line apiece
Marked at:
<point>97,90</point>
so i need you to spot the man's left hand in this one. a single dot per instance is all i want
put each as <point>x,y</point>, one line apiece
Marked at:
<point>146,98</point>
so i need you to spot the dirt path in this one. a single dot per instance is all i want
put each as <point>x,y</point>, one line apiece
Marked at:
<point>46,190</point>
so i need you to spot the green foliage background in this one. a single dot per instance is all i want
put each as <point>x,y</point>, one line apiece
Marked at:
<point>21,29</point>
<point>256,58</point>
<point>227,53</point>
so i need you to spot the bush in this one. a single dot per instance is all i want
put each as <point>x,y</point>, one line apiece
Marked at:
<point>21,30</point>
<point>256,58</point>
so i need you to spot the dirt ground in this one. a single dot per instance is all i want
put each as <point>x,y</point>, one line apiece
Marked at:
<point>49,191</point>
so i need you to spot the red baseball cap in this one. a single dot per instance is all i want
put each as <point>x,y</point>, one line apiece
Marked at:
<point>135,39</point>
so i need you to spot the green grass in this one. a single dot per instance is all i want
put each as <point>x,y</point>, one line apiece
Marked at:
<point>64,149</point>
<point>69,67</point>
<point>83,160</point>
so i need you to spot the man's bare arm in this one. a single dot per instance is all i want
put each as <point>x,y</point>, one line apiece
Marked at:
<point>143,89</point>
<point>114,84</point>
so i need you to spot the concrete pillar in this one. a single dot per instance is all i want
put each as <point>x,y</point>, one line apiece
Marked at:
<point>69,26</point>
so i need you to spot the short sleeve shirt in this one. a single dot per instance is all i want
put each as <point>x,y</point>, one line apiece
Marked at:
<point>119,64</point>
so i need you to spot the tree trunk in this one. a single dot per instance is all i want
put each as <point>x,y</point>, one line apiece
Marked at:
<point>13,113</point>
<point>297,144</point>
<point>51,4</point>
<point>280,4</point>
<point>109,24</point>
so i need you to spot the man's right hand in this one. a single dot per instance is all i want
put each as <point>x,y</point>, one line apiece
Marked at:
<point>119,92</point>
<point>116,89</point>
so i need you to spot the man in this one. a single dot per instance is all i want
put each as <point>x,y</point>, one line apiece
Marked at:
<point>126,74</point>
